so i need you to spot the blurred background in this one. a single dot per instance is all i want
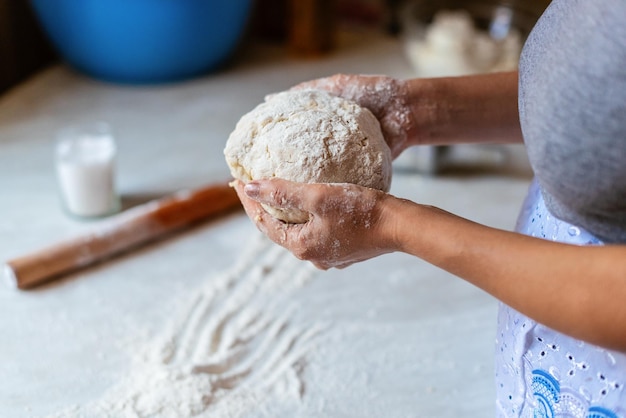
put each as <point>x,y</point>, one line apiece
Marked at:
<point>31,38</point>
<point>150,42</point>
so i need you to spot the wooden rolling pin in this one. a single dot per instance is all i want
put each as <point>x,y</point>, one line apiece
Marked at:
<point>123,232</point>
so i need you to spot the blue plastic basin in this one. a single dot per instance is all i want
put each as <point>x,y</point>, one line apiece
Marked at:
<point>144,41</point>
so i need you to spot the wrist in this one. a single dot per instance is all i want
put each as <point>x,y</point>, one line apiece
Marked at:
<point>426,101</point>
<point>394,233</point>
<point>426,232</point>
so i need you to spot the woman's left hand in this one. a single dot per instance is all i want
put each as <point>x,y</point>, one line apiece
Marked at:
<point>387,98</point>
<point>347,223</point>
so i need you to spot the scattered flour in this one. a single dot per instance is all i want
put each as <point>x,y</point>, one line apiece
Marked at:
<point>309,136</point>
<point>232,346</point>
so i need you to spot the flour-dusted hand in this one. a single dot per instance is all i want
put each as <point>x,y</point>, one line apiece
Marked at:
<point>386,97</point>
<point>346,223</point>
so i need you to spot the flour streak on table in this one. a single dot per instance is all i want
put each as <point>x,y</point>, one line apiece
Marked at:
<point>234,342</point>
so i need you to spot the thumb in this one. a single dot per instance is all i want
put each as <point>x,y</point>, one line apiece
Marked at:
<point>278,193</point>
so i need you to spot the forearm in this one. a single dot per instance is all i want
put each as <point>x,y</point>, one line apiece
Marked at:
<point>528,274</point>
<point>471,109</point>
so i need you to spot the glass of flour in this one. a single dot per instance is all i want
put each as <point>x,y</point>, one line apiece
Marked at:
<point>85,165</point>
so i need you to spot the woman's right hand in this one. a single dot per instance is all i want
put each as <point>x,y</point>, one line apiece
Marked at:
<point>386,97</point>
<point>347,223</point>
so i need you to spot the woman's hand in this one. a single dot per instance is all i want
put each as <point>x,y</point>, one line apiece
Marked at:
<point>387,98</point>
<point>347,222</point>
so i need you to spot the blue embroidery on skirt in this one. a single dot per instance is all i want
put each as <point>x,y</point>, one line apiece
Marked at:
<point>547,392</point>
<point>599,412</point>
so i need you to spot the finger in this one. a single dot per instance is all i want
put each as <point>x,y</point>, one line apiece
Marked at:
<point>331,84</point>
<point>253,209</point>
<point>279,193</point>
<point>320,266</point>
<point>344,265</point>
<point>273,228</point>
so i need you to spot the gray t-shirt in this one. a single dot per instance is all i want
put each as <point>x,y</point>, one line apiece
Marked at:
<point>573,112</point>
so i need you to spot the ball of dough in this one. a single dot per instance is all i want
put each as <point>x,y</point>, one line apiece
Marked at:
<point>309,136</point>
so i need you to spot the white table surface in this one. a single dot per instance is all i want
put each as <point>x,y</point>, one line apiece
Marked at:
<point>406,339</point>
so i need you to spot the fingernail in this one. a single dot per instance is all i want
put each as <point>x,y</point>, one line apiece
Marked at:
<point>252,190</point>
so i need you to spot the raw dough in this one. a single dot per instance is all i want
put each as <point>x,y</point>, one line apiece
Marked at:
<point>309,136</point>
